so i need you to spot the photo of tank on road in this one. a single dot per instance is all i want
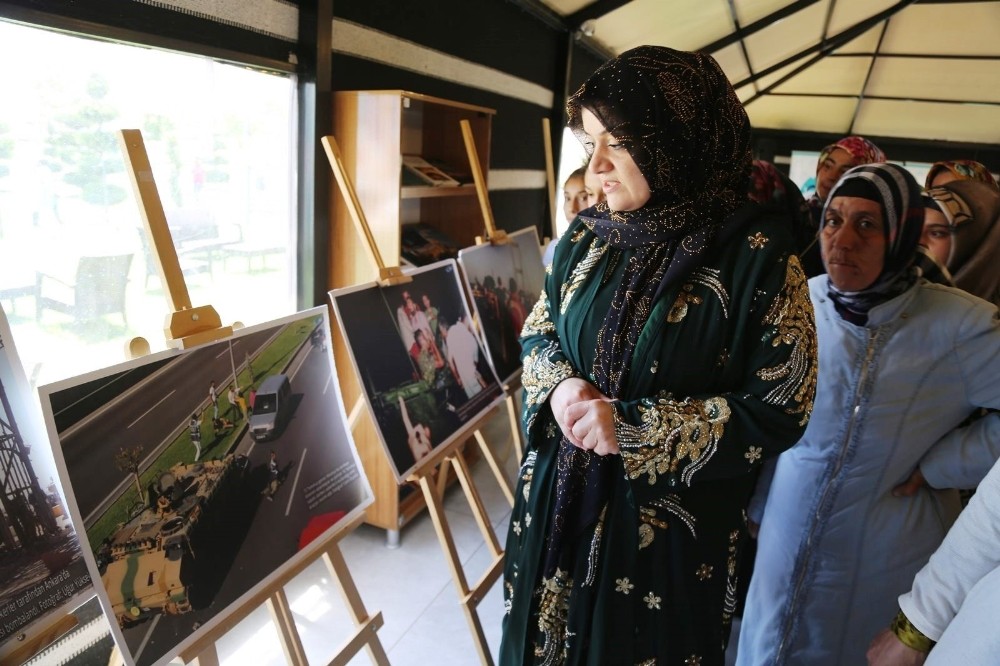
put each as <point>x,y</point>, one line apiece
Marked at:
<point>195,474</point>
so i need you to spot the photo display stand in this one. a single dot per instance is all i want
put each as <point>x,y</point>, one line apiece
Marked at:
<point>550,178</point>
<point>494,237</point>
<point>430,473</point>
<point>186,327</point>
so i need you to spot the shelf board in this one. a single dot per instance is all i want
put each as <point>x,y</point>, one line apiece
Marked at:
<point>430,191</point>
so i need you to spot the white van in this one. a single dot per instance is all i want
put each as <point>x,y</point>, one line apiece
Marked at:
<point>271,407</point>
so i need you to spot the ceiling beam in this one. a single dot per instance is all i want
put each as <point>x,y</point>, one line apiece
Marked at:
<point>868,76</point>
<point>832,43</point>
<point>888,98</point>
<point>743,44</point>
<point>923,56</point>
<point>759,24</point>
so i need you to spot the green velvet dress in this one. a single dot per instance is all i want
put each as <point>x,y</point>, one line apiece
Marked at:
<point>722,377</point>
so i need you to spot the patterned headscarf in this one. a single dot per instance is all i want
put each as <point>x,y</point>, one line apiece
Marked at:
<point>962,170</point>
<point>972,209</point>
<point>680,121</point>
<point>861,149</point>
<point>897,191</point>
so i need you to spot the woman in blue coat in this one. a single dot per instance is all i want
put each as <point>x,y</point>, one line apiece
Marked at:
<point>902,363</point>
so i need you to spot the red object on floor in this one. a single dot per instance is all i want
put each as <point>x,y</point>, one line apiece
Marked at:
<point>317,525</point>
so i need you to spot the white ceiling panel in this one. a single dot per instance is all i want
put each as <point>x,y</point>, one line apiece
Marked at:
<point>970,28</point>
<point>974,123</point>
<point>809,114</point>
<point>765,81</point>
<point>866,43</point>
<point>831,76</point>
<point>848,13</point>
<point>925,78</point>
<point>686,25</point>
<point>732,62</point>
<point>748,12</point>
<point>566,7</point>
<point>785,38</point>
<point>745,93</point>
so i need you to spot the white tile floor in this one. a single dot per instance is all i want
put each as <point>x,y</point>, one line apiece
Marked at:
<point>412,585</point>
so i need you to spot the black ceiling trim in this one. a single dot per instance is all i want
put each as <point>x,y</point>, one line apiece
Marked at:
<point>922,56</point>
<point>834,42</point>
<point>757,25</point>
<point>743,44</point>
<point>868,76</point>
<point>791,75</point>
<point>889,98</point>
<point>551,19</point>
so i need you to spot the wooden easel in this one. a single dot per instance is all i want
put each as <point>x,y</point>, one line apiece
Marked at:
<point>494,237</point>
<point>432,474</point>
<point>186,327</point>
<point>550,178</point>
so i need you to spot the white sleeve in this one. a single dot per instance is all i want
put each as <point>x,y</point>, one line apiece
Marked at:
<point>970,550</point>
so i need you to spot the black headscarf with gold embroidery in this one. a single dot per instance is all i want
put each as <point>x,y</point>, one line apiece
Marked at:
<point>680,120</point>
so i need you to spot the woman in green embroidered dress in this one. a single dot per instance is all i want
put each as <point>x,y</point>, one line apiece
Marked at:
<point>672,350</point>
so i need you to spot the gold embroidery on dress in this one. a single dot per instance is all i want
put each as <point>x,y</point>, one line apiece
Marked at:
<point>539,321</point>
<point>706,277</point>
<point>704,572</point>
<point>541,373</point>
<point>729,602</point>
<point>671,503</point>
<point>791,314</point>
<point>646,535</point>
<point>595,548</point>
<point>652,601</point>
<point>754,453</point>
<point>623,585</point>
<point>580,273</point>
<point>527,472</point>
<point>679,309</point>
<point>675,437</point>
<point>578,236</point>
<point>553,609</point>
<point>757,241</point>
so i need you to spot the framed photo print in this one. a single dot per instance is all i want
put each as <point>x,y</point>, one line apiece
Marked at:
<point>198,476</point>
<point>424,373</point>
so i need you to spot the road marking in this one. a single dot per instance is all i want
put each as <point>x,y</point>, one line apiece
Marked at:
<point>142,645</point>
<point>150,409</point>
<point>295,483</point>
<point>327,384</point>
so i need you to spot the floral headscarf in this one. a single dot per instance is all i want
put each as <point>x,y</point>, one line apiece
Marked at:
<point>897,191</point>
<point>962,170</point>
<point>972,209</point>
<point>861,149</point>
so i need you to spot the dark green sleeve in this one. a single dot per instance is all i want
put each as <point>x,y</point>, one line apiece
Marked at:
<point>668,441</point>
<point>544,363</point>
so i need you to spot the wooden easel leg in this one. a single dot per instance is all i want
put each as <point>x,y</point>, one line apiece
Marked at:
<point>478,510</point>
<point>468,600</point>
<point>367,627</point>
<point>497,472</point>
<point>208,658</point>
<point>515,425</point>
<point>281,615</point>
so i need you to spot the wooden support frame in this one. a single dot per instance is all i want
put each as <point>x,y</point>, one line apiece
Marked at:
<point>188,326</point>
<point>493,235</point>
<point>550,173</point>
<point>469,597</point>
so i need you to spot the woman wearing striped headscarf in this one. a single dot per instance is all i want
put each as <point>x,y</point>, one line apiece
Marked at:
<point>834,160</point>
<point>902,363</point>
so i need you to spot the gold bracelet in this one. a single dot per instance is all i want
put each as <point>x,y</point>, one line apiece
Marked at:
<point>910,635</point>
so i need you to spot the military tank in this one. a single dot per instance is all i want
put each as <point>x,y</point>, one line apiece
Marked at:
<point>148,560</point>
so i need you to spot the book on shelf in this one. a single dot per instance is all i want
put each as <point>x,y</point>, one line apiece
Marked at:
<point>422,244</point>
<point>414,165</point>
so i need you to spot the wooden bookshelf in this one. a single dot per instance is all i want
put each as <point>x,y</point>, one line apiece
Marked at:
<point>374,129</point>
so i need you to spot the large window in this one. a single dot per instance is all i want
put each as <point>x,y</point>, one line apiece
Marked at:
<point>77,278</point>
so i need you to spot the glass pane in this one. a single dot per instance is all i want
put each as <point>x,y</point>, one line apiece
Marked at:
<point>78,278</point>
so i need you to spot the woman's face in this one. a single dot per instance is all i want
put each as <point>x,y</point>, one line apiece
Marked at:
<point>936,235</point>
<point>574,197</point>
<point>621,181</point>
<point>853,242</point>
<point>830,170</point>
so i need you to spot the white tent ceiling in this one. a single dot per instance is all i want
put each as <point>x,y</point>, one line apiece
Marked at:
<point>918,69</point>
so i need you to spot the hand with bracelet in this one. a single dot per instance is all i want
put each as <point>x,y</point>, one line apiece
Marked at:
<point>900,645</point>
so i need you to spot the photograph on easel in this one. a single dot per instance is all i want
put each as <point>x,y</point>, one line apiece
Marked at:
<point>42,571</point>
<point>197,476</point>
<point>504,282</point>
<point>425,376</point>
